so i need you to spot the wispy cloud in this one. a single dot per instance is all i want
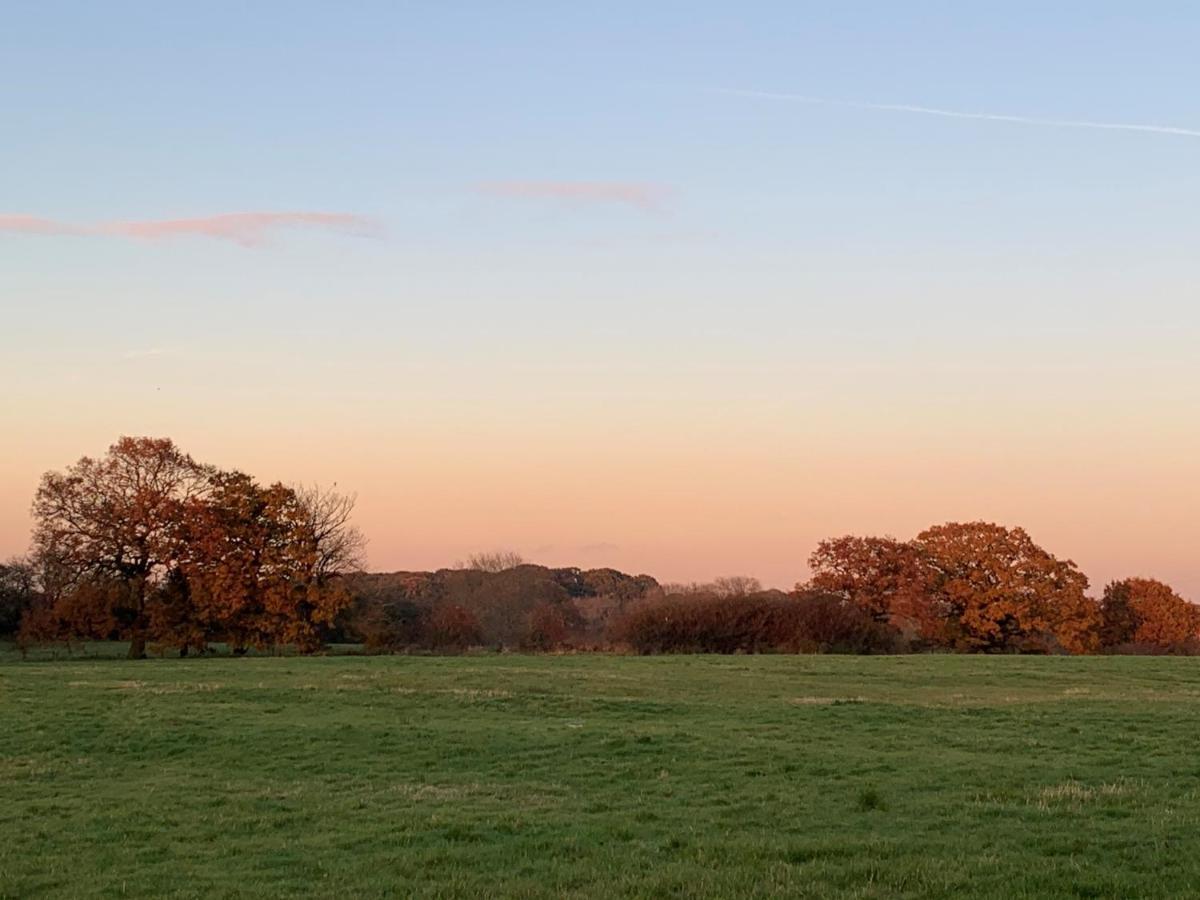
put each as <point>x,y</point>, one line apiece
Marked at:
<point>644,196</point>
<point>250,229</point>
<point>14,223</point>
<point>959,114</point>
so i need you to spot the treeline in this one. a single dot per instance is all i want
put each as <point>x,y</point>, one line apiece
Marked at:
<point>523,606</point>
<point>149,546</point>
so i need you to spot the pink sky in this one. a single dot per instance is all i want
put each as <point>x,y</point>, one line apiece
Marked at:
<point>680,499</point>
<point>682,294</point>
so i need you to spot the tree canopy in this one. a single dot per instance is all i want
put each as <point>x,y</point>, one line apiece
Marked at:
<point>146,544</point>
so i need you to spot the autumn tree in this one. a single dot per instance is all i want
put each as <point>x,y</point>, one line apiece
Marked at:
<point>113,522</point>
<point>884,577</point>
<point>1001,591</point>
<point>233,556</point>
<point>146,544</point>
<point>1148,612</point>
<point>18,590</point>
<point>261,563</point>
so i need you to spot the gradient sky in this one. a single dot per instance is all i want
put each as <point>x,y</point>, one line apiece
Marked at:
<point>604,285</point>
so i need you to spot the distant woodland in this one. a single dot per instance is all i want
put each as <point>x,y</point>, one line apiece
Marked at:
<point>146,545</point>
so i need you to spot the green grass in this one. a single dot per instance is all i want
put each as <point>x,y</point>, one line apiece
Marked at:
<point>600,776</point>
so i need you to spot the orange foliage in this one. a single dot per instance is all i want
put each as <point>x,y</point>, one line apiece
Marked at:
<point>1001,591</point>
<point>1147,612</point>
<point>884,577</point>
<point>111,520</point>
<point>147,544</point>
<point>251,565</point>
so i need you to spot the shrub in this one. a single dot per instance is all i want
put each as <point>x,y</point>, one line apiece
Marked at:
<point>390,626</point>
<point>549,626</point>
<point>452,627</point>
<point>768,621</point>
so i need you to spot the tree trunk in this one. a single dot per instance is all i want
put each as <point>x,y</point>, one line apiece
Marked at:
<point>137,637</point>
<point>137,645</point>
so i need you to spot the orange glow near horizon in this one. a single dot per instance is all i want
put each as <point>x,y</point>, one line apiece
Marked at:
<point>684,309</point>
<point>690,504</point>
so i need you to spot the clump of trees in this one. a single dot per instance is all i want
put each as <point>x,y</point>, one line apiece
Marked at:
<point>146,544</point>
<point>722,586</point>
<point>523,606</point>
<point>492,561</point>
<point>981,587</point>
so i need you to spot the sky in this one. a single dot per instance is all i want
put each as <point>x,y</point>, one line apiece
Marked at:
<point>678,288</point>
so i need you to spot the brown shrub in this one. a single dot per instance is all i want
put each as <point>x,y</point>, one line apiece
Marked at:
<point>388,627</point>
<point>768,621</point>
<point>452,627</point>
<point>549,626</point>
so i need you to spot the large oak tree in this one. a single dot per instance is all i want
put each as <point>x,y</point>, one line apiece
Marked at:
<point>114,521</point>
<point>1001,591</point>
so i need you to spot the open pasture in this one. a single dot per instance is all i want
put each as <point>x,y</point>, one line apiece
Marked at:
<point>600,776</point>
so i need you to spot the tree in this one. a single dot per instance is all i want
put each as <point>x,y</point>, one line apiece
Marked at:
<point>722,586</point>
<point>147,544</point>
<point>736,585</point>
<point>114,521</point>
<point>1147,611</point>
<point>884,577</point>
<point>261,563</point>
<point>1001,591</point>
<point>234,554</point>
<point>334,545</point>
<point>492,561</point>
<point>18,590</point>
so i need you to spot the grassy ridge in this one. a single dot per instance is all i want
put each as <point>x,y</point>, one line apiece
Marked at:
<point>601,776</point>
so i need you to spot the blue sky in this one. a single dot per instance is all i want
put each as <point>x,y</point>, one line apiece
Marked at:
<point>801,268</point>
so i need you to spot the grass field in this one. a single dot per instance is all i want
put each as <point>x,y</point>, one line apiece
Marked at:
<point>601,776</point>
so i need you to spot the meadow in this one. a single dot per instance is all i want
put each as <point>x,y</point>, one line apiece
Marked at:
<point>600,776</point>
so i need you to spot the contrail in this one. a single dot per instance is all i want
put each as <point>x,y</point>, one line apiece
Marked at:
<point>956,114</point>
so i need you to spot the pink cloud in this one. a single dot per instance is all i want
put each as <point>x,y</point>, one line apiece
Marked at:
<point>640,195</point>
<point>19,224</point>
<point>248,229</point>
